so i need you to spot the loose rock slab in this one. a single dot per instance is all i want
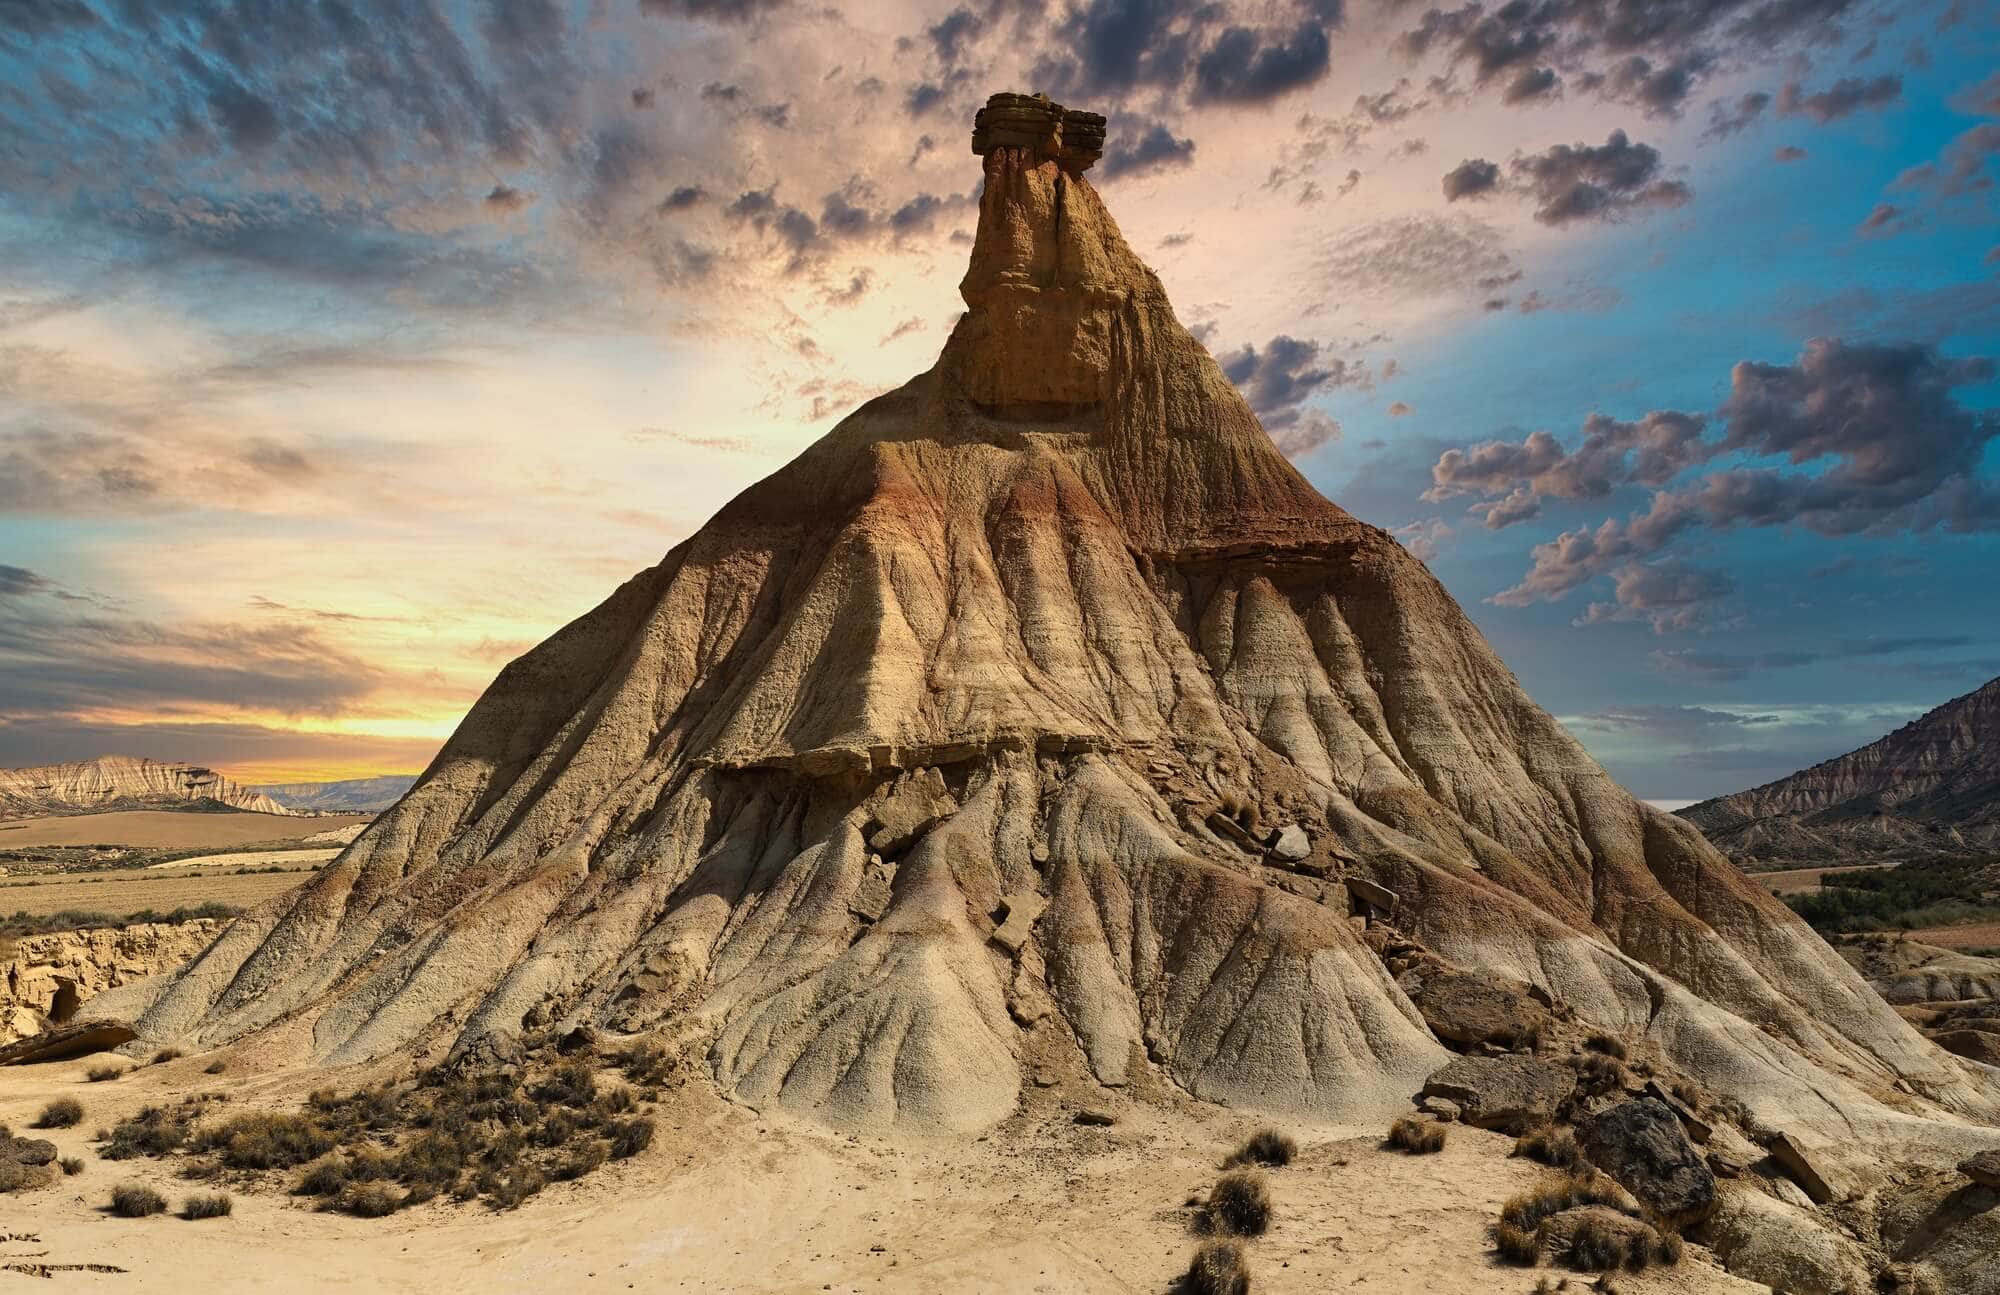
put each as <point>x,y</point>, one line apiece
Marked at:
<point>1497,1092</point>
<point>1464,1007</point>
<point>1983,1168</point>
<point>60,1042</point>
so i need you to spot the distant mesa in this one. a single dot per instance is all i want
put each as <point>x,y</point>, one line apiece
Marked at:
<point>1929,789</point>
<point>342,796</point>
<point>123,782</point>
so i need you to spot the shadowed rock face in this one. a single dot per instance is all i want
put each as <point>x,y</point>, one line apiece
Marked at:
<point>1005,642</point>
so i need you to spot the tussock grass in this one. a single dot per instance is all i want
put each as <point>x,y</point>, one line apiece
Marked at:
<point>62,1113</point>
<point>164,1055</point>
<point>215,1206</point>
<point>1608,1044</point>
<point>1416,1137</point>
<point>154,1131</point>
<point>1218,1269</point>
<point>1549,1145</point>
<point>1238,1205</point>
<point>71,1166</point>
<point>263,1140</point>
<point>136,1201</point>
<point>1265,1147</point>
<point>103,1074</point>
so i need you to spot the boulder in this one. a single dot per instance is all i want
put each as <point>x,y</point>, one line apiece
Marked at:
<point>1782,1246</point>
<point>877,888</point>
<point>1380,898</point>
<point>1560,1234</point>
<point>60,1042</point>
<point>1290,843</point>
<point>1983,1168</point>
<point>26,1163</point>
<point>1642,1146</point>
<point>1468,1008</point>
<point>1501,1092</point>
<point>909,811</point>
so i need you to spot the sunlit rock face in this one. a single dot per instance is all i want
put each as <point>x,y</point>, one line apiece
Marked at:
<point>912,768</point>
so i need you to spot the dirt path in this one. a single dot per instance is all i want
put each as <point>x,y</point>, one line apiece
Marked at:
<point>726,1201</point>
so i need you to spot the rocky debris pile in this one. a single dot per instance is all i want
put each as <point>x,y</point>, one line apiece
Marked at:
<point>123,782</point>
<point>1070,137</point>
<point>49,977</point>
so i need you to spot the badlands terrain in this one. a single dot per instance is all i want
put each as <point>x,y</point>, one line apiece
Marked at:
<point>927,874</point>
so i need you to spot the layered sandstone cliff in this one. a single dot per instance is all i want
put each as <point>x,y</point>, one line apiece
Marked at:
<point>45,979</point>
<point>123,782</point>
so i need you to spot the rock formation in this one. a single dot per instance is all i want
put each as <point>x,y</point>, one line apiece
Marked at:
<point>962,746</point>
<point>48,977</point>
<point>346,796</point>
<point>1930,788</point>
<point>123,782</point>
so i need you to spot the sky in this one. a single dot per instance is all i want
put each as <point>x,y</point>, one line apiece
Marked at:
<point>347,350</point>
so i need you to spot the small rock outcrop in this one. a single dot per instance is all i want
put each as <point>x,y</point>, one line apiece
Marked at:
<point>1469,1008</point>
<point>1983,1168</point>
<point>51,976</point>
<point>26,1163</point>
<point>1641,1145</point>
<point>1069,137</point>
<point>61,1042</point>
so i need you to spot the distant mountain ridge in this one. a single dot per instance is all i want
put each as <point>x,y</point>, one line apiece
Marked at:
<point>345,796</point>
<point>1931,787</point>
<point>124,782</point>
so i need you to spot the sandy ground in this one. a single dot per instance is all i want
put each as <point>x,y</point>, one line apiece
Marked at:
<point>252,859</point>
<point>1804,881</point>
<point>123,893</point>
<point>1972,935</point>
<point>727,1201</point>
<point>167,829</point>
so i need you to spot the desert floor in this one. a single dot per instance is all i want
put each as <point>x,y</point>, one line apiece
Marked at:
<point>167,829</point>
<point>727,1200</point>
<point>120,894</point>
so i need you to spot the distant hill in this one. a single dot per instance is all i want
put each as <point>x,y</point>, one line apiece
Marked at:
<point>349,796</point>
<point>1930,788</point>
<point>123,782</point>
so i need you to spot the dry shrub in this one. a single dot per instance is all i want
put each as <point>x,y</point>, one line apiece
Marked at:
<point>516,1188</point>
<point>1265,1147</point>
<point>1516,1245</point>
<point>154,1131</point>
<point>1689,1093</point>
<point>1218,1269</point>
<point>369,1200</point>
<point>1238,1205</point>
<point>103,1074</point>
<point>72,1166</point>
<point>217,1206</point>
<point>215,1067</point>
<point>1416,1137</point>
<point>1549,1145</point>
<point>62,1113</point>
<point>265,1140</point>
<point>1608,1044</point>
<point>136,1201</point>
<point>1603,1072</point>
<point>1556,1193</point>
<point>324,1177</point>
<point>164,1055</point>
<point>629,1137</point>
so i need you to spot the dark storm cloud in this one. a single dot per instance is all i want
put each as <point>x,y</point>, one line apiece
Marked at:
<point>1471,179</point>
<point>1278,379</point>
<point>1651,54</point>
<point>17,582</point>
<point>1579,182</point>
<point>710,10</point>
<point>1890,449</point>
<point>684,197</point>
<point>1844,97</point>
<point>1247,66</point>
<point>1144,148</point>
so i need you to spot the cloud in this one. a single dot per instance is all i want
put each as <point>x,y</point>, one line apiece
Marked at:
<point>1726,118</point>
<point>1144,147</point>
<point>1578,182</point>
<point>1789,154</point>
<point>1248,66</point>
<point>1843,98</point>
<point>1417,256</point>
<point>1278,379</point>
<point>1874,432</point>
<point>1472,178</point>
<point>18,582</point>
<point>1669,594</point>
<point>506,198</point>
<point>1724,667</point>
<point>710,10</point>
<point>1676,724</point>
<point>1426,538</point>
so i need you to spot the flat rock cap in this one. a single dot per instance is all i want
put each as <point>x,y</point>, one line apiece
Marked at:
<point>1067,135</point>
